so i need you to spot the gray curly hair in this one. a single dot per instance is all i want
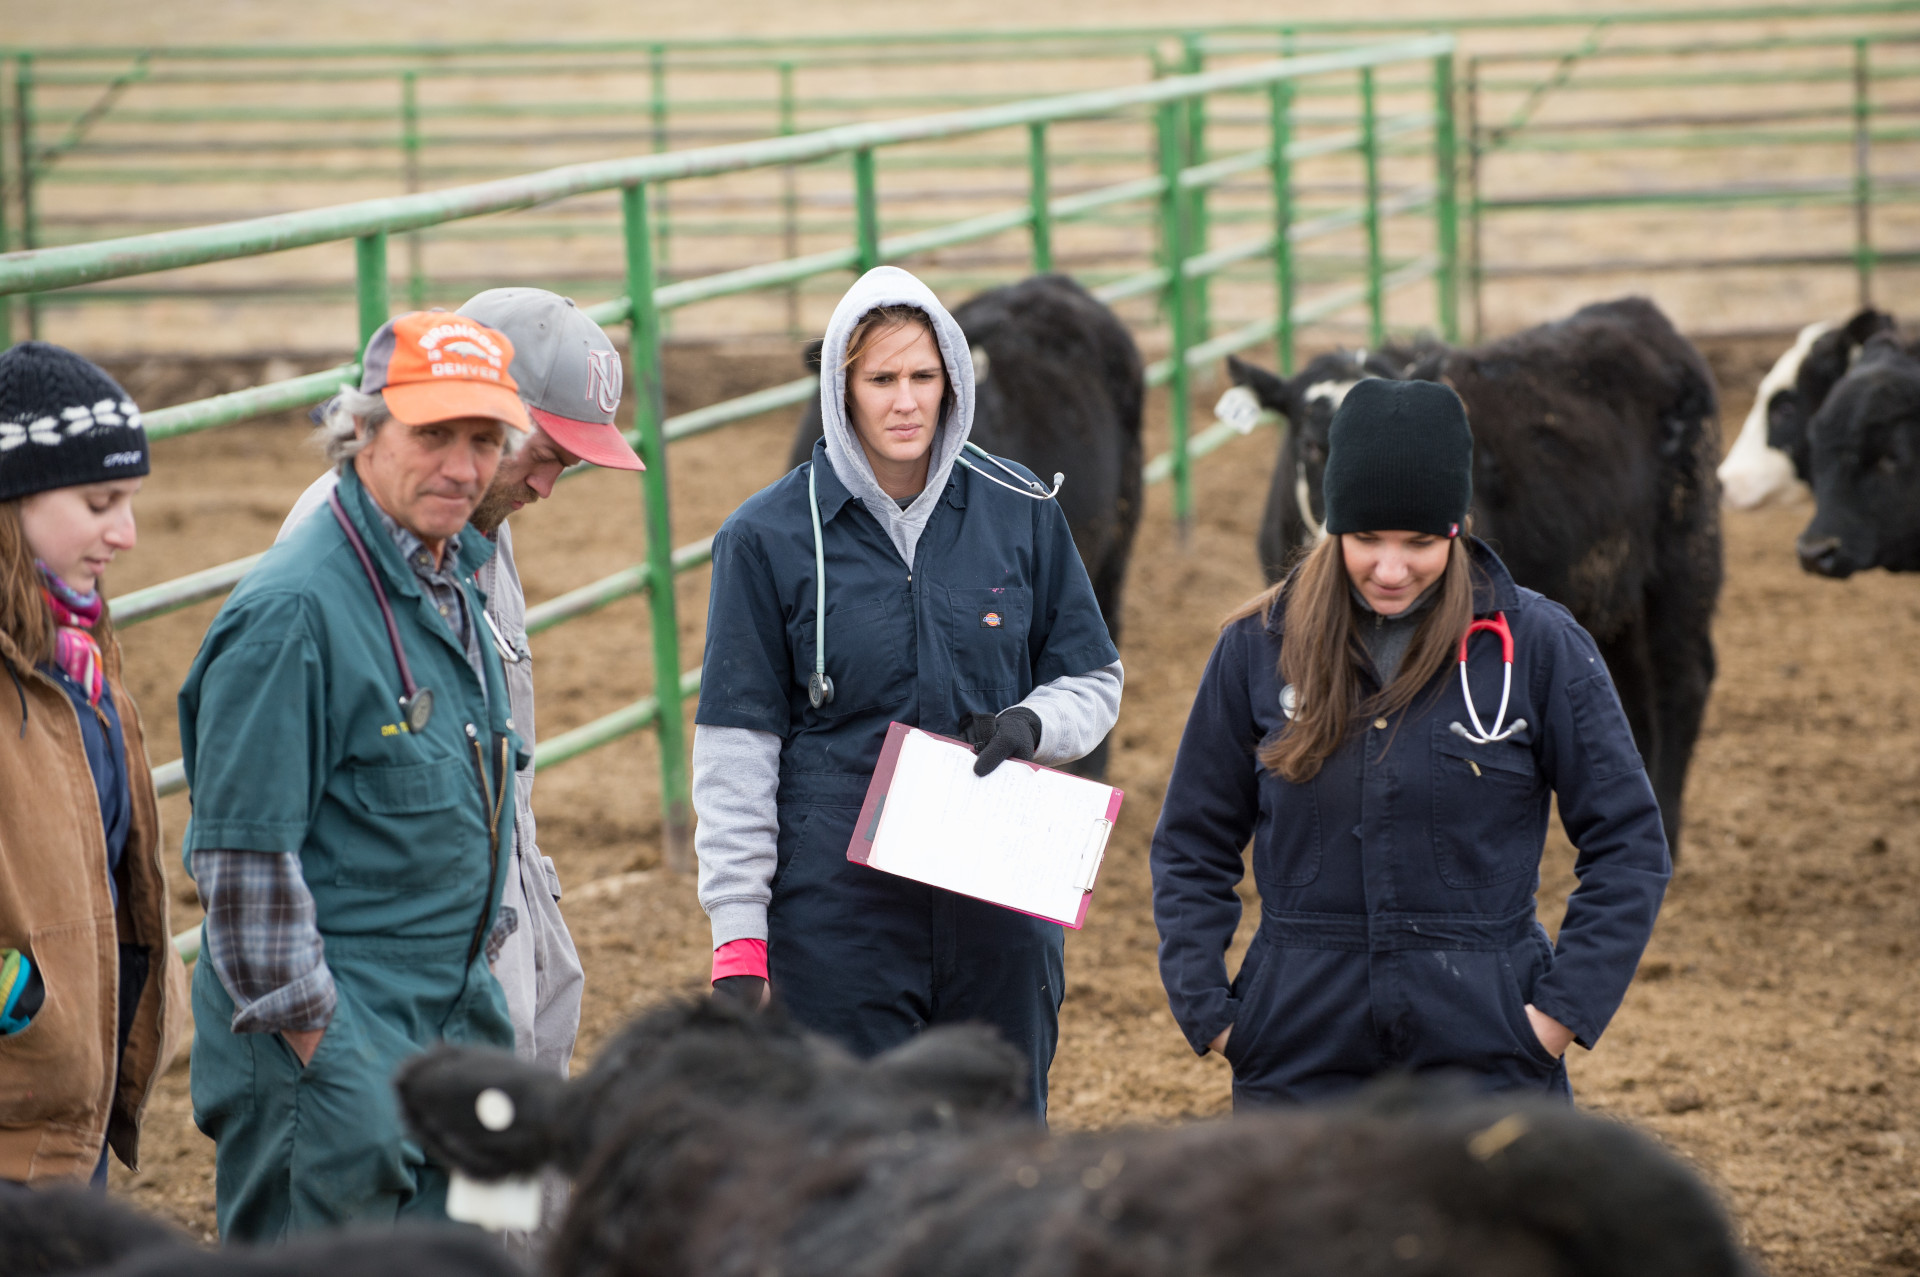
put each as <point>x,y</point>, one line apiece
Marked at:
<point>353,417</point>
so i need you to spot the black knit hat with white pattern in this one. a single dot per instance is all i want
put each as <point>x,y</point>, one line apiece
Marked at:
<point>63,422</point>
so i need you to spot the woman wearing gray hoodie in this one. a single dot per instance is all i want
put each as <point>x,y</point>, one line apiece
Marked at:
<point>954,601</point>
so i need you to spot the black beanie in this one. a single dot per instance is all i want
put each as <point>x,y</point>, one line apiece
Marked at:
<point>1399,459</point>
<point>63,422</point>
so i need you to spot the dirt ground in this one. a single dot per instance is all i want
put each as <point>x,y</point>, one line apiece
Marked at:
<point>1768,1038</point>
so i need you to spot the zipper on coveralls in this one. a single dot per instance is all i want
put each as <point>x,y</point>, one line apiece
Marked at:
<point>491,802</point>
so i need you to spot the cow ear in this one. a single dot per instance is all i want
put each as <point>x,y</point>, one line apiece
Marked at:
<point>965,1065</point>
<point>810,354</point>
<point>1269,389</point>
<point>1867,323</point>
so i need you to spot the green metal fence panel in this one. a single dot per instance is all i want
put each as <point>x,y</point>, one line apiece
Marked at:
<point>370,224</point>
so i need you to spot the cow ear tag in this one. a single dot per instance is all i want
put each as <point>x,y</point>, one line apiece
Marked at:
<point>418,708</point>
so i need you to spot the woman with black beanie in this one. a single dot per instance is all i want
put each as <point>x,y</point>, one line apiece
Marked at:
<point>1396,795</point>
<point>91,992</point>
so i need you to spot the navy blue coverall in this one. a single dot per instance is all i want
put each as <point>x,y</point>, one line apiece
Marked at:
<point>1397,886</point>
<point>995,603</point>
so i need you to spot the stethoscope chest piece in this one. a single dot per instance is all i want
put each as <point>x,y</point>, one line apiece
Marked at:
<point>819,689</point>
<point>418,708</point>
<point>1288,700</point>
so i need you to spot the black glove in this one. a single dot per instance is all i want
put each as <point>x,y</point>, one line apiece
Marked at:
<point>748,991</point>
<point>1012,733</point>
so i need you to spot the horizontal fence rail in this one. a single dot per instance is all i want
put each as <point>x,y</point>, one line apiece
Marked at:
<point>1301,289</point>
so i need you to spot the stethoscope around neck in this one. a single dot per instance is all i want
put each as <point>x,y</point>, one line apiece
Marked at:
<point>819,686</point>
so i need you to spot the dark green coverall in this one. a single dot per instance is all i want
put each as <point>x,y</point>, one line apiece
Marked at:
<point>294,742</point>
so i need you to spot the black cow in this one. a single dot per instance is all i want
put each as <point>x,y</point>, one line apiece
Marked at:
<point>1595,441</point>
<point>74,1231</point>
<point>1864,453</point>
<point>1060,389</point>
<point>709,1141</point>
<point>1770,459</point>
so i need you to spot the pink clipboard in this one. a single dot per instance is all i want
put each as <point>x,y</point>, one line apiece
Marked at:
<point>867,827</point>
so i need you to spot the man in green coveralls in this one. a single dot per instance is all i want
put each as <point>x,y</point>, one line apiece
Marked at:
<point>352,801</point>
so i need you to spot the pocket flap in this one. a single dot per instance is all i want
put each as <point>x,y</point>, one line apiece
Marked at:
<point>1513,755</point>
<point>411,788</point>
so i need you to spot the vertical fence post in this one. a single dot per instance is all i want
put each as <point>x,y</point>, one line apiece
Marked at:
<point>649,410</point>
<point>1370,156</point>
<point>790,199</point>
<point>23,148</point>
<point>410,164</point>
<point>1279,139</point>
<point>657,67</point>
<point>1173,209</point>
<point>866,210</point>
<point>1201,292</point>
<point>1862,174</point>
<point>1039,197</point>
<point>1446,206</point>
<point>1475,270</point>
<point>370,282</point>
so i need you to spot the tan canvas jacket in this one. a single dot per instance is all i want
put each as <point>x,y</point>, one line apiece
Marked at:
<point>58,1094</point>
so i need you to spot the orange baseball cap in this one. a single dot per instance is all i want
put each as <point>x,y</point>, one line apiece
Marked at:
<point>434,365</point>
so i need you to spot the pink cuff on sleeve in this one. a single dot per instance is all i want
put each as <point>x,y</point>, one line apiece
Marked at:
<point>740,957</point>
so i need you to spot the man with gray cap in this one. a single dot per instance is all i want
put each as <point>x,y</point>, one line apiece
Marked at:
<point>569,376</point>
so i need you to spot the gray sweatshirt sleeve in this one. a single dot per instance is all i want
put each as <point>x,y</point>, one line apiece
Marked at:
<point>736,785</point>
<point>1076,713</point>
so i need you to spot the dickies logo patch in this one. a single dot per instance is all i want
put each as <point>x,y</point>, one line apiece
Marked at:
<point>991,620</point>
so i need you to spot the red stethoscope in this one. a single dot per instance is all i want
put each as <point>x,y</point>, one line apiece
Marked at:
<point>1480,735</point>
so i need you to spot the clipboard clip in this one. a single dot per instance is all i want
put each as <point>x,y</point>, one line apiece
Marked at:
<point>1095,855</point>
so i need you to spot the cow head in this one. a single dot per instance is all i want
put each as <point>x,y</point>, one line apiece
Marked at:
<point>1769,459</point>
<point>1864,450</point>
<point>1296,509</point>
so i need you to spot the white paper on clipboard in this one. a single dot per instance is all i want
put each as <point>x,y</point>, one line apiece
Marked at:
<point>1023,836</point>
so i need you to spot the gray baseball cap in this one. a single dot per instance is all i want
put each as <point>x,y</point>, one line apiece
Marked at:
<point>568,371</point>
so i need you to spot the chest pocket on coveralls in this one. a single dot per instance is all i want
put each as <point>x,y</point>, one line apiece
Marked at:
<point>989,638</point>
<point>1483,810</point>
<point>867,655</point>
<point>417,800</point>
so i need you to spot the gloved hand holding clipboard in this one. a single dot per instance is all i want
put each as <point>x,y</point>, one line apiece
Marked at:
<point>1024,837</point>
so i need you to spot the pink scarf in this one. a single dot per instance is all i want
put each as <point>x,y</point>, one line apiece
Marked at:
<point>74,647</point>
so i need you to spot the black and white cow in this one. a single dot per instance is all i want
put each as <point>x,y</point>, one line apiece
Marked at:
<point>1059,387</point>
<point>1769,460</point>
<point>706,1140</point>
<point>1864,457</point>
<point>1595,441</point>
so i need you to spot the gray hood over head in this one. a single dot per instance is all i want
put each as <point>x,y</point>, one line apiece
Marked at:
<point>891,286</point>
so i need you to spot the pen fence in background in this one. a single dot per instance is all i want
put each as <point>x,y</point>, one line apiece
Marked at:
<point>103,142</point>
<point>1339,213</point>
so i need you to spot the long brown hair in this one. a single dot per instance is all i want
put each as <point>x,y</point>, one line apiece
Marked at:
<point>24,615</point>
<point>1321,653</point>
